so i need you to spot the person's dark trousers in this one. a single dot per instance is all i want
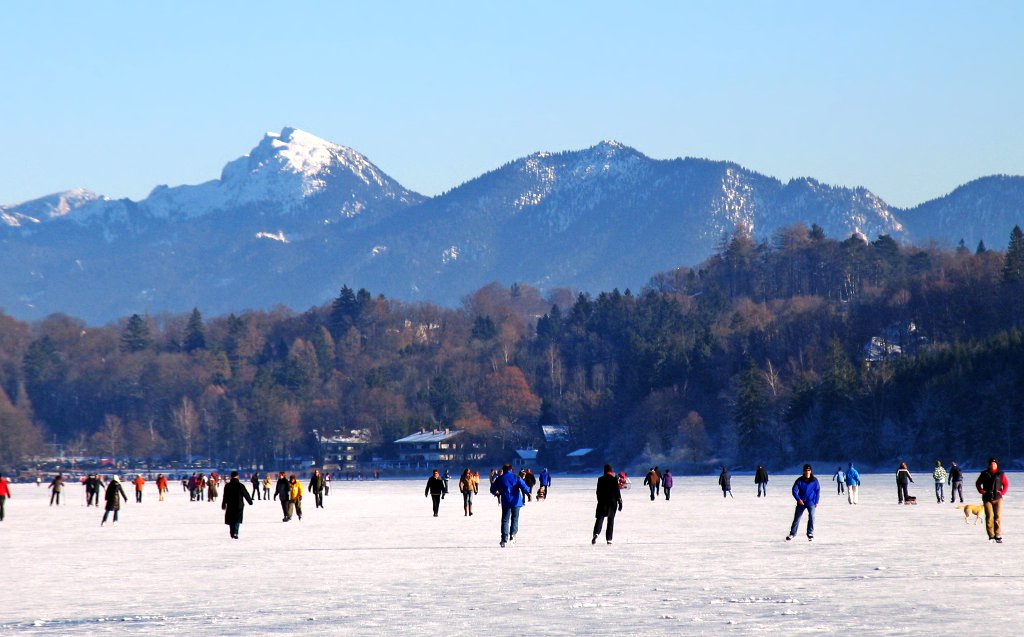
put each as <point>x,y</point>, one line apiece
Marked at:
<point>800,508</point>
<point>3,498</point>
<point>839,488</point>
<point>106,513</point>
<point>233,527</point>
<point>902,492</point>
<point>437,502</point>
<point>667,494</point>
<point>607,511</point>
<point>652,491</point>
<point>762,489</point>
<point>297,505</point>
<point>138,496</point>
<point>319,497</point>
<point>256,491</point>
<point>285,509</point>
<point>55,496</point>
<point>956,488</point>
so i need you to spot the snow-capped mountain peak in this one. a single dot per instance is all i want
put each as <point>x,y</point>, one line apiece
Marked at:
<point>46,208</point>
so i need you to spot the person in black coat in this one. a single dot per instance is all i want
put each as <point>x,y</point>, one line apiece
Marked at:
<point>725,481</point>
<point>761,479</point>
<point>233,503</point>
<point>283,492</point>
<point>317,488</point>
<point>256,485</point>
<point>436,488</point>
<point>956,480</point>
<point>115,493</point>
<point>609,500</point>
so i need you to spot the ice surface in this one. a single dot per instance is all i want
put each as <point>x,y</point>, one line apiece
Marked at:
<point>375,562</point>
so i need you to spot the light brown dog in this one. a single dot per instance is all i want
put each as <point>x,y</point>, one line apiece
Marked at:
<point>977,510</point>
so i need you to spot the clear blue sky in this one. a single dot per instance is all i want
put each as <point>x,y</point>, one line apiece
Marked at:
<point>909,99</point>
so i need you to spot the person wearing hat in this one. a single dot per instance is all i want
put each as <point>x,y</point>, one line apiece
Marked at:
<point>115,493</point>
<point>806,491</point>
<point>992,484</point>
<point>233,503</point>
<point>939,475</point>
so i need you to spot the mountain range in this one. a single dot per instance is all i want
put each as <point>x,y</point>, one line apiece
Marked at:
<point>298,216</point>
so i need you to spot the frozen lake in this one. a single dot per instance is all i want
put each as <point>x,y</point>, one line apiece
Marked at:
<point>375,561</point>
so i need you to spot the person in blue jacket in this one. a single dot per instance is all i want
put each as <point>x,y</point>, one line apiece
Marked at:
<point>805,491</point>
<point>545,484</point>
<point>852,484</point>
<point>509,489</point>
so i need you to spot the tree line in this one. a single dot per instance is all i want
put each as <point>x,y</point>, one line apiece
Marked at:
<point>757,356</point>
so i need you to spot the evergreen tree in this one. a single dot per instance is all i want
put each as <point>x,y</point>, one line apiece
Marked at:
<point>981,247</point>
<point>1013,266</point>
<point>135,337</point>
<point>195,332</point>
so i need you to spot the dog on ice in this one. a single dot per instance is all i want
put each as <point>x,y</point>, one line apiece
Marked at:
<point>977,510</point>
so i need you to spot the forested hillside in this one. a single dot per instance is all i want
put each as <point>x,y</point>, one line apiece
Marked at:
<point>805,347</point>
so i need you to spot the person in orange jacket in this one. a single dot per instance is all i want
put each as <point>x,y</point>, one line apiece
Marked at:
<point>138,482</point>
<point>161,486</point>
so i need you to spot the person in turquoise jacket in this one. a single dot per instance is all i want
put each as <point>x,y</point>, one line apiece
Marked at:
<point>806,491</point>
<point>852,484</point>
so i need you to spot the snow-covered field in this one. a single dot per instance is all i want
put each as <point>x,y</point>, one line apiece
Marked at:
<point>375,561</point>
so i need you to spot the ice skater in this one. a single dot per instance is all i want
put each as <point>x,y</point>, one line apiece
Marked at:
<point>545,484</point>
<point>436,489</point>
<point>161,486</point>
<point>609,501</point>
<point>115,493</point>
<point>509,489</point>
<point>666,483</point>
<point>56,487</point>
<point>840,480</point>
<point>294,497</point>
<point>806,491</point>
<point>233,503</point>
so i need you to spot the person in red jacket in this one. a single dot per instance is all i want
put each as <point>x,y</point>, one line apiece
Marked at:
<point>992,484</point>
<point>161,486</point>
<point>5,492</point>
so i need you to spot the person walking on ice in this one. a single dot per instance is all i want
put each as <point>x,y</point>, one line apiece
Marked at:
<point>56,487</point>
<point>652,480</point>
<point>233,503</point>
<point>840,480</point>
<point>609,500</point>
<point>139,482</point>
<point>5,493</point>
<point>666,483</point>
<point>509,489</point>
<point>806,491</point>
<point>940,482</point>
<point>436,488</point>
<point>761,480</point>
<point>725,481</point>
<point>115,493</point>
<point>852,484</point>
<point>992,484</point>
<point>955,480</point>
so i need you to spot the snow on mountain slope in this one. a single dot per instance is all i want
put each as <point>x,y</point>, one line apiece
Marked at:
<point>53,206</point>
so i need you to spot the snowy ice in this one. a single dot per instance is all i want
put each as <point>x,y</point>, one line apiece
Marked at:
<point>375,562</point>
